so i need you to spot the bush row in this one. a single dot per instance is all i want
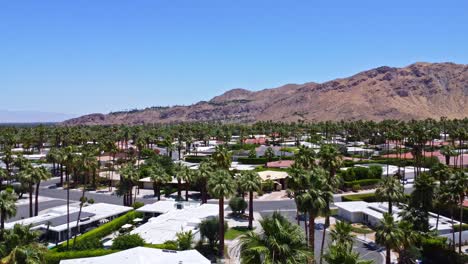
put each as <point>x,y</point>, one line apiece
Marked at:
<point>102,230</point>
<point>55,257</point>
<point>260,160</point>
<point>367,197</point>
<point>363,183</point>
<point>361,173</point>
<point>195,159</point>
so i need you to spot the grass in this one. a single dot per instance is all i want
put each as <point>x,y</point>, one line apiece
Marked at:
<point>234,232</point>
<point>362,230</point>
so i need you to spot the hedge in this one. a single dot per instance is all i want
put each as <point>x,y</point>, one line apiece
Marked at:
<point>195,159</point>
<point>260,160</point>
<point>55,257</point>
<point>367,197</point>
<point>102,231</point>
<point>445,211</point>
<point>365,182</point>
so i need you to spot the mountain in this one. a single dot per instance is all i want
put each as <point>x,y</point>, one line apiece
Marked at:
<point>418,91</point>
<point>7,116</point>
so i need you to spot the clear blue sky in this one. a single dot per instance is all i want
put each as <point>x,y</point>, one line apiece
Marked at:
<point>99,56</point>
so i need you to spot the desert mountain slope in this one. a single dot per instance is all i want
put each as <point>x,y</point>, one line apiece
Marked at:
<point>418,91</point>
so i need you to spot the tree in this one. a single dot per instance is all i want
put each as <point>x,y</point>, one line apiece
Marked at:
<point>314,199</point>
<point>27,178</point>
<point>421,200</point>
<point>280,242</point>
<point>458,183</point>
<point>209,229</point>
<point>250,182</point>
<point>448,152</point>
<point>305,157</point>
<point>389,235</point>
<point>127,241</point>
<point>336,255</point>
<point>269,154</point>
<point>159,177</point>
<point>237,205</point>
<point>7,207</point>
<point>204,172</point>
<point>390,190</point>
<point>20,245</point>
<point>341,235</point>
<point>222,158</point>
<point>39,174</point>
<point>129,177</point>
<point>184,240</point>
<point>221,185</point>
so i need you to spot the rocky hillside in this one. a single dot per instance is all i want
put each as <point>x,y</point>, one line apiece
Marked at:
<point>418,91</point>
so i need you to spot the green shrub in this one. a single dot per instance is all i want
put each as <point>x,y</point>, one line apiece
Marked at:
<point>242,147</point>
<point>103,230</point>
<point>238,205</point>
<point>55,257</point>
<point>435,250</point>
<point>356,188</point>
<point>127,241</point>
<point>268,185</point>
<point>209,229</point>
<point>457,227</point>
<point>195,159</point>
<point>365,182</point>
<point>137,205</point>
<point>184,240</point>
<point>169,245</point>
<point>253,161</point>
<point>87,244</point>
<point>367,197</point>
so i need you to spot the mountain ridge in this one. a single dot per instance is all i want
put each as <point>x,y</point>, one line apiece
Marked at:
<point>417,91</point>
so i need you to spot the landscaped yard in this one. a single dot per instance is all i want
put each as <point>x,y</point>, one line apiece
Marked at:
<point>235,232</point>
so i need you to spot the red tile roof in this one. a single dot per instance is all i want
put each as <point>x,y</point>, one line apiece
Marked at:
<point>280,164</point>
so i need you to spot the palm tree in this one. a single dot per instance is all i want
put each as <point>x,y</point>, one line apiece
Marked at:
<point>250,182</point>
<point>391,190</point>
<point>341,235</point>
<point>188,176</point>
<point>222,157</point>
<point>389,235</point>
<point>181,172</point>
<point>314,199</point>
<point>269,154</point>
<point>221,185</point>
<point>203,174</point>
<point>129,176</point>
<point>7,207</point>
<point>305,157</point>
<point>447,152</point>
<point>159,177</point>
<point>21,246</point>
<point>336,255</point>
<point>26,177</point>
<point>280,242</point>
<point>39,174</point>
<point>458,183</point>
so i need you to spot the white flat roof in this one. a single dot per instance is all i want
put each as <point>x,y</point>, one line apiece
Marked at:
<point>272,175</point>
<point>378,209</point>
<point>165,227</point>
<point>96,212</point>
<point>142,255</point>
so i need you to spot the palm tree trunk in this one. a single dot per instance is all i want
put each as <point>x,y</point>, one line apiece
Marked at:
<point>461,225</point>
<point>221,226</point>
<point>250,209</point>
<point>30,199</point>
<point>323,239</point>
<point>2,223</point>
<point>79,216</point>
<point>68,210</point>
<point>36,204</point>
<point>186,190</point>
<point>388,257</point>
<point>312,232</point>
<point>179,190</point>
<point>453,228</point>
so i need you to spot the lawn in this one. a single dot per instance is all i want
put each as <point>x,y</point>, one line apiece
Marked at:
<point>234,232</point>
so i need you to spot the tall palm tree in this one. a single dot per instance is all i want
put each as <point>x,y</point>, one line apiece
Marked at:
<point>204,172</point>
<point>129,177</point>
<point>181,172</point>
<point>331,160</point>
<point>340,249</point>
<point>314,199</point>
<point>250,182</point>
<point>389,235</point>
<point>159,177</point>
<point>390,190</point>
<point>188,177</point>
<point>39,174</point>
<point>7,207</point>
<point>222,157</point>
<point>458,183</point>
<point>26,178</point>
<point>305,157</point>
<point>221,185</point>
<point>280,242</point>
